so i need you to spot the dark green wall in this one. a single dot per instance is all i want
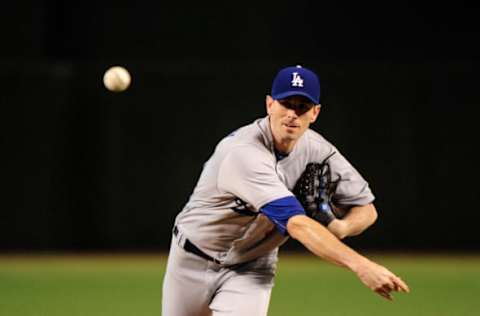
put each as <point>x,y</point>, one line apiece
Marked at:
<point>86,169</point>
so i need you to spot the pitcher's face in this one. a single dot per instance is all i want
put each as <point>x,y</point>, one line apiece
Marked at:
<point>290,117</point>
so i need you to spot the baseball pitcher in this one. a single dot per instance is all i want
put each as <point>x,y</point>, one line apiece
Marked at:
<point>265,182</point>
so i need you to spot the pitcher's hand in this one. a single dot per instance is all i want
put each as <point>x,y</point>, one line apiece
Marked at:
<point>380,279</point>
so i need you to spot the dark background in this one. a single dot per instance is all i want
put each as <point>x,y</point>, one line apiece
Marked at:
<point>86,169</point>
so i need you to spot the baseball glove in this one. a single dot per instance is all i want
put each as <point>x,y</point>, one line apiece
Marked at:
<point>315,189</point>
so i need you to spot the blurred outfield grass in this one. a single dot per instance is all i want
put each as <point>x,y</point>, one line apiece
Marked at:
<point>119,285</point>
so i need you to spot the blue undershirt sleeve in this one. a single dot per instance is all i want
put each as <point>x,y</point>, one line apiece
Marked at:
<point>279,211</point>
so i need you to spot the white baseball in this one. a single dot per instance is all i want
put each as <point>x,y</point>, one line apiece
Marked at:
<point>117,79</point>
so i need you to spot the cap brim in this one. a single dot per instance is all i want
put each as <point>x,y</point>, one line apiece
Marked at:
<point>293,93</point>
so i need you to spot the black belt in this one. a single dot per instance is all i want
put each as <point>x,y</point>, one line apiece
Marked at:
<point>189,247</point>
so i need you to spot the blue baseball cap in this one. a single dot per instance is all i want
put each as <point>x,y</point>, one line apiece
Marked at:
<point>296,80</point>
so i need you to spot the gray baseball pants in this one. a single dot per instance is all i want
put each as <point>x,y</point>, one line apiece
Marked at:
<point>194,286</point>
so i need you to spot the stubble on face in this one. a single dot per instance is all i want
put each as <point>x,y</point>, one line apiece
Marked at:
<point>289,119</point>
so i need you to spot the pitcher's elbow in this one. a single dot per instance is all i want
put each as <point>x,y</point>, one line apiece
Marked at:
<point>296,225</point>
<point>374,214</point>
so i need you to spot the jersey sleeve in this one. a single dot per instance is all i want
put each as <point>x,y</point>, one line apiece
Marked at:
<point>249,174</point>
<point>352,188</point>
<point>280,211</point>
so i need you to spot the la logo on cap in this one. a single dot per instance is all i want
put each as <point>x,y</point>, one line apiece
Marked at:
<point>291,81</point>
<point>297,81</point>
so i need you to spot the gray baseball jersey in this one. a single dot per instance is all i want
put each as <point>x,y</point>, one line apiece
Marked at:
<point>222,215</point>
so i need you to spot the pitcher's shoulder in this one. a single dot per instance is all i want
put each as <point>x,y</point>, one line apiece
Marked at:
<point>248,135</point>
<point>315,139</point>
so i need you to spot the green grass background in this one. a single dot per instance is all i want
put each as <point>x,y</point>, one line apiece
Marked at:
<point>118,285</point>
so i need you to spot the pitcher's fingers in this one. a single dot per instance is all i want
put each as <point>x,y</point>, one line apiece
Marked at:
<point>384,294</point>
<point>388,287</point>
<point>402,286</point>
<point>395,285</point>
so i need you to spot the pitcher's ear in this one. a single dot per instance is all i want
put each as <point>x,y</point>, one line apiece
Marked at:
<point>316,112</point>
<point>269,103</point>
